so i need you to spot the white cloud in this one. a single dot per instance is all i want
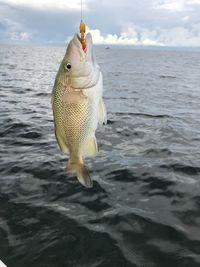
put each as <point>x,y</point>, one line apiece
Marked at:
<point>24,36</point>
<point>112,39</point>
<point>128,37</point>
<point>46,4</point>
<point>193,2</point>
<point>186,18</point>
<point>133,35</point>
<point>180,36</point>
<point>176,5</point>
<point>15,31</point>
<point>172,6</point>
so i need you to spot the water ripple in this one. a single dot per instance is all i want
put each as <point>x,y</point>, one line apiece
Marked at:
<point>143,210</point>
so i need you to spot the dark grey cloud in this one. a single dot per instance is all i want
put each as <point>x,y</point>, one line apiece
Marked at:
<point>43,25</point>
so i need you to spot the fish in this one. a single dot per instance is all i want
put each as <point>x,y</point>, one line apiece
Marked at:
<point>78,106</point>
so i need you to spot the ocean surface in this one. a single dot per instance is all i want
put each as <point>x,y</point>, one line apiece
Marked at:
<point>144,208</point>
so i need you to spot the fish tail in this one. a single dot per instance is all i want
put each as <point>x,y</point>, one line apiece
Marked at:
<point>81,173</point>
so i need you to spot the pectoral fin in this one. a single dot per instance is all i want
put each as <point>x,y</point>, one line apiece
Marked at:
<point>60,141</point>
<point>102,116</point>
<point>90,148</point>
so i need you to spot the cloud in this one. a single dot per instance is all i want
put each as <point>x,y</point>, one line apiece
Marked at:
<point>25,36</point>
<point>14,30</point>
<point>193,2</point>
<point>172,6</point>
<point>135,35</point>
<point>179,36</point>
<point>138,22</point>
<point>46,4</point>
<point>186,18</point>
<point>176,5</point>
<point>112,39</point>
<point>129,37</point>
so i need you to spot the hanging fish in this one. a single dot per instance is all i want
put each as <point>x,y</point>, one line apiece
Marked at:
<point>78,106</point>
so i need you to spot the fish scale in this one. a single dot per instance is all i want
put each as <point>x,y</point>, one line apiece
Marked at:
<point>78,106</point>
<point>76,123</point>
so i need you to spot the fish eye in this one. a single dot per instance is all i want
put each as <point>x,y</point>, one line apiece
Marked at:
<point>68,66</point>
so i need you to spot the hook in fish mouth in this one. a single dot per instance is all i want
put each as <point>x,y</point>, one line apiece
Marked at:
<point>88,39</point>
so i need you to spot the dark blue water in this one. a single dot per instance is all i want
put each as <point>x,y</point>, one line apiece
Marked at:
<point>144,208</point>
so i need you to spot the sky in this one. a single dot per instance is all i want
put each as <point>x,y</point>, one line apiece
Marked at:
<point>117,22</point>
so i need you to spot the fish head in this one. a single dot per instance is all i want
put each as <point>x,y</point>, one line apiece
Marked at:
<point>80,67</point>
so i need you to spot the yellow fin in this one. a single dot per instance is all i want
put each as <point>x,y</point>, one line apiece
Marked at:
<point>90,148</point>
<point>102,117</point>
<point>61,142</point>
<point>81,172</point>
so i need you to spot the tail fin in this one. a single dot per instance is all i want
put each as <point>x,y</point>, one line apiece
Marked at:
<point>81,173</point>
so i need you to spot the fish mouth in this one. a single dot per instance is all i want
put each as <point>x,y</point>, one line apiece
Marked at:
<point>88,41</point>
<point>77,41</point>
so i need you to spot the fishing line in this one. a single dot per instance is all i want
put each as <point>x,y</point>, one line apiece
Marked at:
<point>82,28</point>
<point>81,10</point>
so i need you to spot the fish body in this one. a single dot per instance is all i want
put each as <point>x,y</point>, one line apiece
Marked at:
<point>78,106</point>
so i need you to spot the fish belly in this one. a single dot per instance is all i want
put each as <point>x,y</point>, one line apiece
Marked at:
<point>75,118</point>
<point>79,123</point>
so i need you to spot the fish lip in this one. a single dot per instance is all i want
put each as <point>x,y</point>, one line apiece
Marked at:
<point>78,37</point>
